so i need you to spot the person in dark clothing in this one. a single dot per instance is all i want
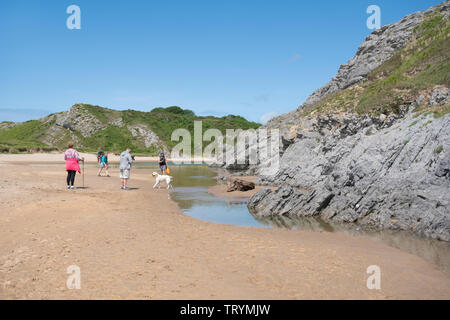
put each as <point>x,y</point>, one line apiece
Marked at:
<point>162,163</point>
<point>70,178</point>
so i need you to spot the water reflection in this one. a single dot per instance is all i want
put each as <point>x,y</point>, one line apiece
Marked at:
<point>437,252</point>
<point>198,203</point>
<point>306,223</point>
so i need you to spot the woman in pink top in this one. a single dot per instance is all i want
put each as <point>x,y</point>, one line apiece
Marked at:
<point>72,157</point>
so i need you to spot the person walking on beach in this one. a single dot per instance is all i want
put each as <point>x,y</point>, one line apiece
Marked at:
<point>99,156</point>
<point>125,166</point>
<point>72,166</point>
<point>103,164</point>
<point>162,163</point>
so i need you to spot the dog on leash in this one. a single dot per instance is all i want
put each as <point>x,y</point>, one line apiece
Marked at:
<point>160,178</point>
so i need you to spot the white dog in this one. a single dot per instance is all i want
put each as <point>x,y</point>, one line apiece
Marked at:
<point>160,178</point>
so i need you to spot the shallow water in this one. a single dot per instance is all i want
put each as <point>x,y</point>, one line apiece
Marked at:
<point>191,183</point>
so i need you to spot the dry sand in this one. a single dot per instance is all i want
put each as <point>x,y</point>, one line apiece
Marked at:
<point>138,245</point>
<point>57,157</point>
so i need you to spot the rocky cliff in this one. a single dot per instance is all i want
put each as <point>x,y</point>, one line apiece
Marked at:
<point>376,49</point>
<point>372,147</point>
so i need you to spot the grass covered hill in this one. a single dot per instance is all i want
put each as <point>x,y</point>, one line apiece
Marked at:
<point>401,65</point>
<point>93,127</point>
<point>423,64</point>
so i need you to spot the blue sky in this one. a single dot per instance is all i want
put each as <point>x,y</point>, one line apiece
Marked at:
<point>246,57</point>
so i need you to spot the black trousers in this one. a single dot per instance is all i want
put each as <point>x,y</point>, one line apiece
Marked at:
<point>71,177</point>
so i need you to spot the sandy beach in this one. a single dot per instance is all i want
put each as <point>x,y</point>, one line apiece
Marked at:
<point>58,157</point>
<point>137,244</point>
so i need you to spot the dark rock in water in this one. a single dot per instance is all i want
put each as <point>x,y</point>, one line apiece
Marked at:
<point>240,185</point>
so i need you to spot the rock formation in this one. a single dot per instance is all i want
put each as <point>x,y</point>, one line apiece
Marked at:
<point>376,170</point>
<point>240,185</point>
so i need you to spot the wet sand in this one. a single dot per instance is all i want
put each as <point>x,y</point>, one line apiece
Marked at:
<point>138,245</point>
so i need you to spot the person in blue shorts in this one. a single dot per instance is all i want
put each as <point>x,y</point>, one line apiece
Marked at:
<point>103,164</point>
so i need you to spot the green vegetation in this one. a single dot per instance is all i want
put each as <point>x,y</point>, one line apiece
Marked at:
<point>421,65</point>
<point>30,135</point>
<point>22,137</point>
<point>115,138</point>
<point>413,123</point>
<point>163,121</point>
<point>441,111</point>
<point>439,149</point>
<point>426,123</point>
<point>104,115</point>
<point>437,111</point>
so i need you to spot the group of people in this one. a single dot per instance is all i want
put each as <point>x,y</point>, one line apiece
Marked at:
<point>73,158</point>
